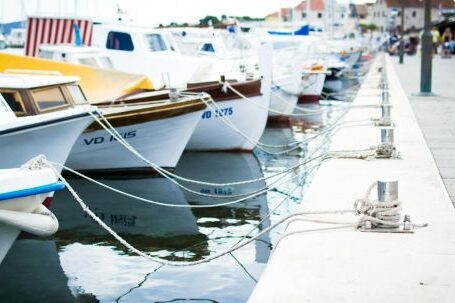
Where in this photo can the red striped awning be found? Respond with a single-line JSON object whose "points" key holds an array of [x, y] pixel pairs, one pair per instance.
{"points": [[55, 31]]}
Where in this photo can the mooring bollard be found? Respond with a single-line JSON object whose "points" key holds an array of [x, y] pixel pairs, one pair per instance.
{"points": [[386, 119], [387, 148], [387, 135], [387, 190], [385, 96]]}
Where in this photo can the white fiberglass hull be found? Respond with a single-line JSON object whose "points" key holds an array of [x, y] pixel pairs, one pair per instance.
{"points": [[313, 84], [159, 141], [353, 58], [53, 137], [8, 234], [248, 116], [282, 103], [15, 180]]}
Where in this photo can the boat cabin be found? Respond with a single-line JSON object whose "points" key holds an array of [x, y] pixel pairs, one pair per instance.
{"points": [[85, 55], [28, 95], [147, 51]]}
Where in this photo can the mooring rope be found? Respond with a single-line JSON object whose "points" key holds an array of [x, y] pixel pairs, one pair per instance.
{"points": [[246, 196], [147, 256]]}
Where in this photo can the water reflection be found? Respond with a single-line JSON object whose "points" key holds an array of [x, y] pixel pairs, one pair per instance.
{"points": [[221, 168], [149, 227], [90, 265]]}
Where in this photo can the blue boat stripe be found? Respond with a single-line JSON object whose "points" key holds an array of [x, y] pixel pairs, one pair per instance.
{"points": [[32, 191]]}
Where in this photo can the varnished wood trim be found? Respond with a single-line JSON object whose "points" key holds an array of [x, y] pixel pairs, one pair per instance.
{"points": [[142, 115]]}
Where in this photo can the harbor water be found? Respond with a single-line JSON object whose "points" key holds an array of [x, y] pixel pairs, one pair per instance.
{"points": [[83, 263]]}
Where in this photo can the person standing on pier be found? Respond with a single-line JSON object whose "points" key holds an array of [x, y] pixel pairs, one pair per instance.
{"points": [[436, 38], [447, 43]]}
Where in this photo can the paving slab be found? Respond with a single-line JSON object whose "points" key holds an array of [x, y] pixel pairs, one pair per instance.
{"points": [[436, 115]]}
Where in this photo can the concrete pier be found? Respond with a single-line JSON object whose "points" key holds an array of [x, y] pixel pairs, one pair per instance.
{"points": [[346, 265], [436, 115]]}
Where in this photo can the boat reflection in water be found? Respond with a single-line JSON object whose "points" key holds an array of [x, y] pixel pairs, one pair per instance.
{"points": [[96, 266], [31, 272], [225, 168]]}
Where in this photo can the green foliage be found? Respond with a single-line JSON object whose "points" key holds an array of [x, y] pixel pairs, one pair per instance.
{"points": [[206, 20], [372, 27]]}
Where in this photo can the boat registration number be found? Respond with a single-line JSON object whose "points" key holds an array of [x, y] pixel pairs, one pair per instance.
{"points": [[221, 191], [102, 139], [222, 112]]}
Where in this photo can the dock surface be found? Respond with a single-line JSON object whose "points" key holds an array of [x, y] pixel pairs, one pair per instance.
{"points": [[346, 265], [436, 115]]}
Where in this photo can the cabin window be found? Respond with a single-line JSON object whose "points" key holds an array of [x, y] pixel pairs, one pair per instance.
{"points": [[319, 15], [208, 47], [119, 41], [90, 61], [14, 101], [49, 98], [155, 42], [77, 94]]}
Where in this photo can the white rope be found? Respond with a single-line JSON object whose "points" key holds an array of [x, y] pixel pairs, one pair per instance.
{"points": [[112, 131], [250, 195], [308, 110], [228, 85], [213, 105], [377, 212], [133, 249]]}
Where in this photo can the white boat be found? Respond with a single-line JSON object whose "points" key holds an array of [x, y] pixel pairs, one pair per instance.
{"points": [[160, 135], [159, 129], [249, 117], [212, 133], [284, 95], [51, 133], [314, 83], [22, 192]]}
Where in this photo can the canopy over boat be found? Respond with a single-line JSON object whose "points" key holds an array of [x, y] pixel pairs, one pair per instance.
{"points": [[98, 84]]}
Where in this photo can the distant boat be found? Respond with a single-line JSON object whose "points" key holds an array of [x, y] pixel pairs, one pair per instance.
{"points": [[22, 192]]}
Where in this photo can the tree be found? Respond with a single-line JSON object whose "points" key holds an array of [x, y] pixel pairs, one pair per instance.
{"points": [[207, 19]]}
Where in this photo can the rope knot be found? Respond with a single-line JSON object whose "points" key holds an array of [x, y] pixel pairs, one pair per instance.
{"points": [[37, 163]]}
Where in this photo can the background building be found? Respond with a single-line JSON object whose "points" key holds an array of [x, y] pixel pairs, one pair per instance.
{"points": [[313, 12], [386, 14]]}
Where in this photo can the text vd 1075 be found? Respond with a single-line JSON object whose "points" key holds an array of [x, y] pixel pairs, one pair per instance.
{"points": [[222, 112]]}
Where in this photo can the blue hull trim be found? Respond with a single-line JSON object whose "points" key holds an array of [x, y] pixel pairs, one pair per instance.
{"points": [[32, 191]]}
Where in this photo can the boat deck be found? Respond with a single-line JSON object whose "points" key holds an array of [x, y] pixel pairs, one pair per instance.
{"points": [[346, 265]]}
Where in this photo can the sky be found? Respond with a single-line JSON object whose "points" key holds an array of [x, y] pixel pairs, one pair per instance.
{"points": [[150, 12], [165, 11]]}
